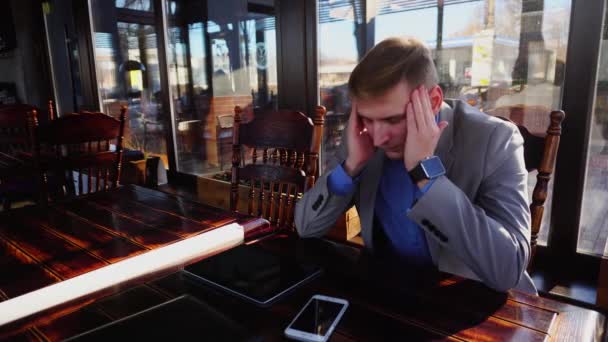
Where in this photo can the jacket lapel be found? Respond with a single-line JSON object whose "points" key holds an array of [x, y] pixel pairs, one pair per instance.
{"points": [[444, 146]]}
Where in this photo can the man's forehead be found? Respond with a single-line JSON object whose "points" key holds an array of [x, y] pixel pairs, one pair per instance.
{"points": [[382, 110]]}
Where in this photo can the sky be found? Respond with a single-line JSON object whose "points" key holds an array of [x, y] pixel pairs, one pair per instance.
{"points": [[336, 39]]}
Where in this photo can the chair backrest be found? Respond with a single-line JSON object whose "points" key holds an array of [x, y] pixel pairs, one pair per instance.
{"points": [[81, 152], [280, 161], [540, 154], [14, 137]]}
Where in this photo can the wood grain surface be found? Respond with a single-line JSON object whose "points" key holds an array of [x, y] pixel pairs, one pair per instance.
{"points": [[40, 248]]}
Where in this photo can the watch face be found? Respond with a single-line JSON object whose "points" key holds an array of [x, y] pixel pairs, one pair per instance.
{"points": [[433, 167]]}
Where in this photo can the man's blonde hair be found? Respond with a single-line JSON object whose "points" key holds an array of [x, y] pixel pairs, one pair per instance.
{"points": [[390, 62]]}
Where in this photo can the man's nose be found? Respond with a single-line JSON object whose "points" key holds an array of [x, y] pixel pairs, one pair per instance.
{"points": [[380, 135]]}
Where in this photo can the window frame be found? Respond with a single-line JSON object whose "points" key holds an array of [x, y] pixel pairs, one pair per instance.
{"points": [[578, 98]]}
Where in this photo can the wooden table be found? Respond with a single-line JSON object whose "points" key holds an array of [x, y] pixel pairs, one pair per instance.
{"points": [[40, 248]]}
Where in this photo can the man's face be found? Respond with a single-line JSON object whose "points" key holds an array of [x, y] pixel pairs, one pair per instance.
{"points": [[384, 119]]}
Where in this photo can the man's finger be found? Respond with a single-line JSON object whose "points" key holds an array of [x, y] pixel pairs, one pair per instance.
{"points": [[429, 116], [411, 121], [418, 110], [353, 119], [442, 126]]}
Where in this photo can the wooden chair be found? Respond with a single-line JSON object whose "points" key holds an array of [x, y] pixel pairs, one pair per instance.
{"points": [[14, 137], [22, 109], [76, 149], [284, 150], [15, 153], [540, 154]]}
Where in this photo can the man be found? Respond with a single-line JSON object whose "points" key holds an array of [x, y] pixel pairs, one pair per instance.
{"points": [[472, 220]]}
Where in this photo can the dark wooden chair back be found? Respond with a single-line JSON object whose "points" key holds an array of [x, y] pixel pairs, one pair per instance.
{"points": [[76, 149], [14, 136], [280, 162], [540, 154]]}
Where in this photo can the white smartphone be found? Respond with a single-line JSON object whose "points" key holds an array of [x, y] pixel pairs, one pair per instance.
{"points": [[317, 320]]}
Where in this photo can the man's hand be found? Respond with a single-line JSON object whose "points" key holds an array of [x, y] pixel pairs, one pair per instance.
{"points": [[423, 131], [360, 144]]}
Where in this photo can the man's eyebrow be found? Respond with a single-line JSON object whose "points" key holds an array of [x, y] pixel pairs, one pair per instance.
{"points": [[394, 116], [361, 115]]}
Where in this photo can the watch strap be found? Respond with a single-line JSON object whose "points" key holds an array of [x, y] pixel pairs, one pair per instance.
{"points": [[417, 174]]}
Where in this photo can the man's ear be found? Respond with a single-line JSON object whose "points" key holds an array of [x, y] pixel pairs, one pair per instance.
{"points": [[436, 95]]}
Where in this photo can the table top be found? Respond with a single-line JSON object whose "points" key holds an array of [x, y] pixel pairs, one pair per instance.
{"points": [[67, 239], [44, 247]]}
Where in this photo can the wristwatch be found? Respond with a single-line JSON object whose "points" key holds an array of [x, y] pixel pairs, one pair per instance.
{"points": [[428, 168]]}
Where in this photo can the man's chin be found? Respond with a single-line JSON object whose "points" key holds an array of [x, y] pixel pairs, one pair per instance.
{"points": [[394, 154]]}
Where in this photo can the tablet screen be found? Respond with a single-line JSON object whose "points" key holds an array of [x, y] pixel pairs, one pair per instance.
{"points": [[253, 273]]}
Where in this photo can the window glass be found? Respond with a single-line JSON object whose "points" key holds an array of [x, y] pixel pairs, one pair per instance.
{"points": [[220, 56], [340, 48], [139, 5], [390, 23], [126, 59], [505, 57], [593, 232]]}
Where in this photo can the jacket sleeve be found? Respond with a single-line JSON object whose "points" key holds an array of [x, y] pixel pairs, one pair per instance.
{"points": [[491, 235], [319, 209]]}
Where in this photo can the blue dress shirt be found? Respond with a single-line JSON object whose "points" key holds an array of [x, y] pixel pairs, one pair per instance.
{"points": [[395, 197]]}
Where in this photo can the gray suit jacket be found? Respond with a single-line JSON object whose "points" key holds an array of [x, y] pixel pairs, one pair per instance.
{"points": [[476, 218]]}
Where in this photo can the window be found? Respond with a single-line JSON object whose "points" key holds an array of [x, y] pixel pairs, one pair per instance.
{"points": [[593, 232], [340, 48], [220, 55], [506, 57], [139, 5], [126, 60]]}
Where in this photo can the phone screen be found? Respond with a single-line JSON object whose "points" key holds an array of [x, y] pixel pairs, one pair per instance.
{"points": [[317, 317]]}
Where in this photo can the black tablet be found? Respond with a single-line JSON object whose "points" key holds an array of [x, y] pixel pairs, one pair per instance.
{"points": [[181, 318], [252, 273]]}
